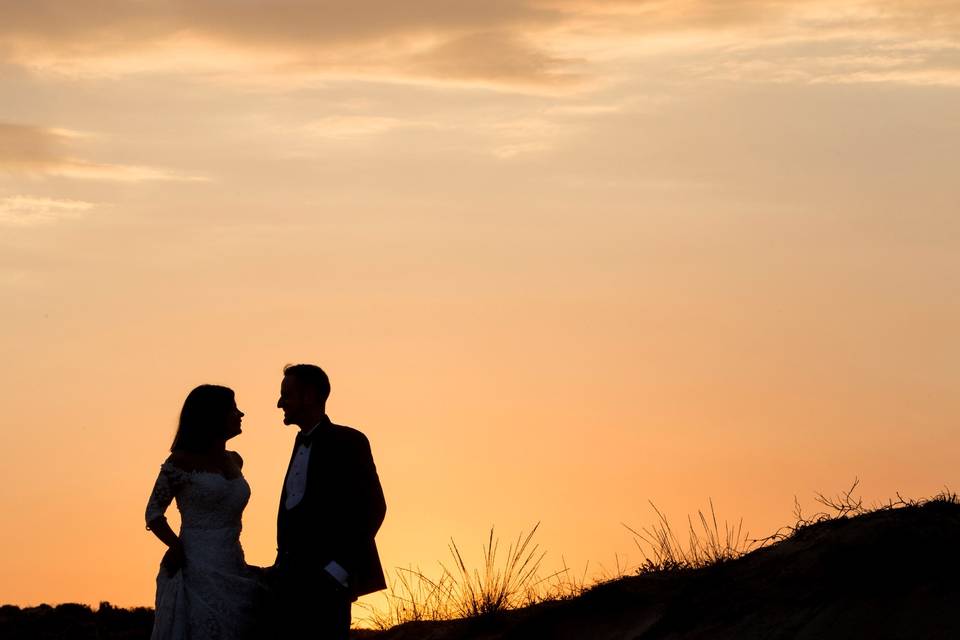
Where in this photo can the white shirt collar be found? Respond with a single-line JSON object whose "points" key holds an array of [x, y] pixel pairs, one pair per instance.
{"points": [[307, 432]]}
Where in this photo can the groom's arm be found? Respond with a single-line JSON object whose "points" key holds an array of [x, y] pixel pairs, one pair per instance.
{"points": [[370, 507], [362, 506]]}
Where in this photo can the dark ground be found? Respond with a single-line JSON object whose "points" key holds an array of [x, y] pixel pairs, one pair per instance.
{"points": [[887, 575]]}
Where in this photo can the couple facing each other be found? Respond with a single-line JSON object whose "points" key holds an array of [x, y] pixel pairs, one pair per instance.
{"points": [[331, 507]]}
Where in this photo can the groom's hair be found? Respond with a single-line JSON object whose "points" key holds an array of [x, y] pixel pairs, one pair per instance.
{"points": [[312, 376]]}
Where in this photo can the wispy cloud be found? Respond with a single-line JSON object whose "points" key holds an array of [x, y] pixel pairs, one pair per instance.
{"points": [[26, 147], [32, 150], [852, 62], [352, 127], [32, 211], [416, 38], [497, 56], [117, 172], [500, 43]]}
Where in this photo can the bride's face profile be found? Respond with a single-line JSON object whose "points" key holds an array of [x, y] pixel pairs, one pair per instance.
{"points": [[234, 418]]}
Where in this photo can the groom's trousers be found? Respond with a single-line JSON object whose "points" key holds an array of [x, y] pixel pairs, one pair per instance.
{"points": [[323, 619], [308, 607]]}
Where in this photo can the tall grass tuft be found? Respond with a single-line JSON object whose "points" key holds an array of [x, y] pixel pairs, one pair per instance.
{"points": [[462, 592], [706, 544], [412, 597], [477, 593]]}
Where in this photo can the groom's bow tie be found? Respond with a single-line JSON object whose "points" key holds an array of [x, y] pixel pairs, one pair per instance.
{"points": [[302, 439], [306, 438]]}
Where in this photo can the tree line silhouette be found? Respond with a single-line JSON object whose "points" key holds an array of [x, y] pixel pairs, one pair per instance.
{"points": [[72, 621]]}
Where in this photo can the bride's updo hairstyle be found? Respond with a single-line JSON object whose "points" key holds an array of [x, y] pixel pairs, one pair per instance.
{"points": [[203, 418]]}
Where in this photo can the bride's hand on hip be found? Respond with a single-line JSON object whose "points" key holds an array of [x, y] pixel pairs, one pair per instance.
{"points": [[174, 559]]}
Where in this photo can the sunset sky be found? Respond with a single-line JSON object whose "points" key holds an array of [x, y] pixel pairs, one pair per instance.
{"points": [[560, 259]]}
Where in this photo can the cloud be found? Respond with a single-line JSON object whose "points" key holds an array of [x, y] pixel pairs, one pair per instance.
{"points": [[850, 62], [651, 16], [507, 43], [347, 127], [811, 42], [495, 56], [32, 150], [27, 147], [31, 211], [114, 24], [371, 36]]}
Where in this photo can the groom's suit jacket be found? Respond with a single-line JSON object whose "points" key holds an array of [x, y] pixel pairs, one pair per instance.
{"points": [[339, 515]]}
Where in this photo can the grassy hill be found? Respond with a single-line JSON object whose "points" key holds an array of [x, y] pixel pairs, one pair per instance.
{"points": [[889, 574], [883, 575]]}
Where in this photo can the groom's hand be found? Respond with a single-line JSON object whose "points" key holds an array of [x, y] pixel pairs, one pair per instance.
{"points": [[270, 576]]}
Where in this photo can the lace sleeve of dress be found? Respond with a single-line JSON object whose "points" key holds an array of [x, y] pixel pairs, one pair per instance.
{"points": [[165, 488]]}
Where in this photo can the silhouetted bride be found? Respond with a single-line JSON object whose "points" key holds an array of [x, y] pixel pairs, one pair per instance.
{"points": [[205, 589]]}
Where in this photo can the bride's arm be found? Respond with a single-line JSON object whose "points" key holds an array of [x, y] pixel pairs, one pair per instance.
{"points": [[174, 558], [160, 498]]}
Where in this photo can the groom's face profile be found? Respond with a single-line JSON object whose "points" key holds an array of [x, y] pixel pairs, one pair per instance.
{"points": [[291, 400]]}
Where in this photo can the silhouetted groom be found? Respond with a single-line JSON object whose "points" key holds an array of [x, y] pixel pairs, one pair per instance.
{"points": [[331, 507]]}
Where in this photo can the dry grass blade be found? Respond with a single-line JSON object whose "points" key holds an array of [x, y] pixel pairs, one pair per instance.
{"points": [[476, 594], [411, 597], [663, 551], [462, 592]]}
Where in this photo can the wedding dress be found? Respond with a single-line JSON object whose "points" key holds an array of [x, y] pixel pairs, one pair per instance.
{"points": [[214, 596]]}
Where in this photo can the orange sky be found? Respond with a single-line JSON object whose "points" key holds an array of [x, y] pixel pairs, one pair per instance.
{"points": [[559, 258]]}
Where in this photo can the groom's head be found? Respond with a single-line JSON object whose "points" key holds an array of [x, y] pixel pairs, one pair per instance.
{"points": [[303, 394]]}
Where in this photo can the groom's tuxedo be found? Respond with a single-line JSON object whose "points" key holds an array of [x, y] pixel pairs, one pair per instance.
{"points": [[340, 509]]}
